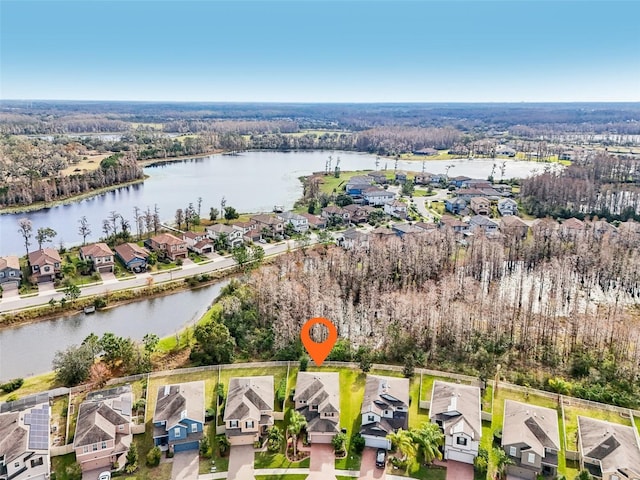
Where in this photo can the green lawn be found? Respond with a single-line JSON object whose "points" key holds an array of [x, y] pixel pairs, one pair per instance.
{"points": [[32, 385], [571, 413], [424, 473], [60, 464], [278, 460], [281, 477]]}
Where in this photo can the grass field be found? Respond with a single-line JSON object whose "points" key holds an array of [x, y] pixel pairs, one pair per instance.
{"points": [[571, 413]]}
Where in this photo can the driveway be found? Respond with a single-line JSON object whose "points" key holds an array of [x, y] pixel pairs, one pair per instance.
{"points": [[323, 463], [368, 468], [459, 470], [10, 293], [108, 277], [241, 459], [185, 465], [94, 474], [45, 287]]}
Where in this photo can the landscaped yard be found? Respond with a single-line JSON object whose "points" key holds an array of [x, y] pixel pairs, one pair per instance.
{"points": [[571, 413], [278, 460], [281, 477]]}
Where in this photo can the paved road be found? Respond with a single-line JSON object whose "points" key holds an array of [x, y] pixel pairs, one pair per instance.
{"points": [[141, 280]]}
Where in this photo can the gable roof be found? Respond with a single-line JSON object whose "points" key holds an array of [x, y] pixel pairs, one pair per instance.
{"points": [[615, 446], [266, 218], [406, 228], [96, 250], [13, 436], [574, 224], [356, 235], [221, 228], [175, 402], [380, 393], [129, 251], [536, 427], [289, 216], [44, 256], [377, 192], [248, 396], [483, 221], [321, 388], [100, 415], [168, 239], [457, 407], [10, 261], [512, 221], [507, 201]]}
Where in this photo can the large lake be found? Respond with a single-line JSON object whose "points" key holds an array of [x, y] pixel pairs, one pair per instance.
{"points": [[29, 350], [250, 182]]}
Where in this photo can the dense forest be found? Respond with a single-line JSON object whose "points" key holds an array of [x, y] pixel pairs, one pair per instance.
{"points": [[606, 186], [554, 304]]}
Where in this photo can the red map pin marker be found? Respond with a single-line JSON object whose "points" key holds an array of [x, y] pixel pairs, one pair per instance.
{"points": [[319, 351]]}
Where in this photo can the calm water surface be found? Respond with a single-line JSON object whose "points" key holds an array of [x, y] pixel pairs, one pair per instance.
{"points": [[29, 349], [250, 182]]}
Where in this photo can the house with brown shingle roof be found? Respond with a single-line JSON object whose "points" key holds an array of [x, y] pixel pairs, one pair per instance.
{"points": [[249, 410], [385, 409], [513, 226], [317, 397], [168, 245], [608, 450], [103, 429], [531, 439], [10, 273], [133, 256], [178, 418], [45, 264], [100, 256], [456, 410]]}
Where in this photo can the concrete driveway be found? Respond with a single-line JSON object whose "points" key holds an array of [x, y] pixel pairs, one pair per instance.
{"points": [[45, 287], [459, 470], [10, 293], [108, 277], [368, 468], [323, 463], [185, 465], [94, 474], [241, 458]]}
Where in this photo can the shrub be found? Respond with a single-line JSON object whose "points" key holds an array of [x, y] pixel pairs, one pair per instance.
{"points": [[357, 443], [153, 457], [12, 385], [304, 362], [338, 442], [204, 447], [281, 392]]}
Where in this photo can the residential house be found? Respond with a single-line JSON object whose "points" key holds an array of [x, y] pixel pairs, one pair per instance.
{"points": [[456, 410], [513, 226], [385, 409], [572, 228], [299, 223], [45, 264], [507, 206], [468, 193], [198, 242], [396, 208], [459, 180], [250, 231], [24, 441], [491, 193], [504, 150], [382, 232], [233, 236], [609, 451], [427, 152], [482, 223], [178, 419], [168, 246], [475, 184], [10, 273], [100, 256], [602, 228], [315, 222], [401, 177], [402, 229], [377, 197], [480, 206], [317, 397], [133, 256], [249, 410], [353, 239], [427, 227], [531, 439], [103, 429], [455, 205], [459, 149], [379, 177], [334, 214], [544, 228], [458, 226], [357, 184], [269, 225], [439, 178], [423, 178], [359, 213]]}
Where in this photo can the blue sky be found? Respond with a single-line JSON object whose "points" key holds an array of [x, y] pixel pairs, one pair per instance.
{"points": [[321, 51]]}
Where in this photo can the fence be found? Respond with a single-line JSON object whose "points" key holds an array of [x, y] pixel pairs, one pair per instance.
{"points": [[61, 450]]}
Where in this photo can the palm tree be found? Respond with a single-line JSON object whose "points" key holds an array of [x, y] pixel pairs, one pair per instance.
{"points": [[403, 442], [428, 438], [274, 439], [501, 460], [296, 423]]}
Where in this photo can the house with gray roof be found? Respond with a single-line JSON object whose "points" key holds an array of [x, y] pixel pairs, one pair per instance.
{"points": [[609, 451], [385, 409], [317, 397], [298, 222], [178, 418], [24, 443], [479, 223], [103, 430], [507, 206], [353, 239], [377, 197], [531, 439], [456, 409], [10, 273], [249, 410]]}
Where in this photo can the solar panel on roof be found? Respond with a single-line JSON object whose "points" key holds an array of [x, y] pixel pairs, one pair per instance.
{"points": [[38, 421]]}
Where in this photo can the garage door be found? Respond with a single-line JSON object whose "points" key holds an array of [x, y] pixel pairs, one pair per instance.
{"points": [[376, 442], [460, 456], [181, 447], [10, 285], [320, 438]]}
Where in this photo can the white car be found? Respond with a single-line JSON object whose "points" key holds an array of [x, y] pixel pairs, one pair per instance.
{"points": [[105, 476]]}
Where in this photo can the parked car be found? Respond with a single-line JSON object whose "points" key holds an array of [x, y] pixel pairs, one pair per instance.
{"points": [[381, 457]]}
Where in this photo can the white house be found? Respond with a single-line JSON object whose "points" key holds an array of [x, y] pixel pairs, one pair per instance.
{"points": [[377, 197], [456, 409], [300, 224], [507, 206], [385, 409], [396, 208], [233, 234]]}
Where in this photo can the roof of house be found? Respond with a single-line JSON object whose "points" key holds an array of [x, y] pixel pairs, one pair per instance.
{"points": [[129, 251], [266, 218], [314, 219], [359, 180], [475, 200], [203, 243], [10, 261], [469, 191], [507, 201], [44, 256], [382, 231], [461, 178], [96, 250], [288, 216], [458, 407], [322, 389], [406, 228], [25, 430], [248, 396], [377, 174], [428, 227], [574, 224], [483, 221], [512, 221], [100, 415], [536, 427], [456, 201], [355, 208], [13, 436], [602, 226], [191, 235], [168, 239], [221, 228], [397, 204], [333, 210], [452, 222], [176, 402], [377, 192], [614, 445], [380, 393], [353, 234]]}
